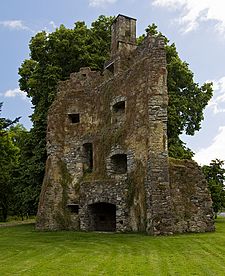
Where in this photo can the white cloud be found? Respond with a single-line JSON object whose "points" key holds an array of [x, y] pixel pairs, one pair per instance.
{"points": [[215, 150], [15, 25], [193, 12], [52, 23], [12, 93], [48, 29], [100, 3], [217, 103]]}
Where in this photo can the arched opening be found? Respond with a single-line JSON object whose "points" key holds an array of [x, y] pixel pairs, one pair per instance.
{"points": [[119, 163], [102, 217], [119, 107], [118, 112]]}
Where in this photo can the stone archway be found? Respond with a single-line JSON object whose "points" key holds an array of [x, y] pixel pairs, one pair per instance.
{"points": [[102, 217]]}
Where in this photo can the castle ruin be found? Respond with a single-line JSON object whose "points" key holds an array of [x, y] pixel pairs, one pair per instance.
{"points": [[108, 167]]}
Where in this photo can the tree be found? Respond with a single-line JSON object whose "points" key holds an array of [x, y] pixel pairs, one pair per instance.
{"points": [[24, 194], [215, 175], [5, 123], [8, 160], [17, 196]]}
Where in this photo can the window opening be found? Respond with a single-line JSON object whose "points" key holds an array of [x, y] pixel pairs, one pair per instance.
{"points": [[88, 157], [74, 118], [119, 163], [119, 107], [74, 208]]}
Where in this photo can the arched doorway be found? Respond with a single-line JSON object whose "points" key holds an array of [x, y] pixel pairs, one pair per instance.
{"points": [[102, 216]]}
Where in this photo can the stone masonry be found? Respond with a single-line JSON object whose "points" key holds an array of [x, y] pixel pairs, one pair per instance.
{"points": [[108, 167]]}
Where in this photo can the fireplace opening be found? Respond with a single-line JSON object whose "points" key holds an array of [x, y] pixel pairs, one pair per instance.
{"points": [[102, 217]]}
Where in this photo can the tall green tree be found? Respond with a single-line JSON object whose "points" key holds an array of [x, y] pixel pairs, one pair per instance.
{"points": [[215, 175], [8, 161], [24, 192], [18, 193]]}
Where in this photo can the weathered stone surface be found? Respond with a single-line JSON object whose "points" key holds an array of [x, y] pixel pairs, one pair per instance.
{"points": [[107, 166], [190, 196]]}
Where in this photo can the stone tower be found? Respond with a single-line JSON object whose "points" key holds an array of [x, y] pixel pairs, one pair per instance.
{"points": [[123, 34], [108, 167]]}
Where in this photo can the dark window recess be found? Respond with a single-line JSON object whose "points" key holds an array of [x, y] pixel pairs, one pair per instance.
{"points": [[74, 208], [74, 118], [119, 163], [119, 107], [88, 157]]}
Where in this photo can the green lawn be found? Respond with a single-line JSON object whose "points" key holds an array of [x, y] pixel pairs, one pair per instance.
{"points": [[23, 251]]}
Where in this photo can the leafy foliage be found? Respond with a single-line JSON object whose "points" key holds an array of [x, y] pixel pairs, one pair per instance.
{"points": [[187, 101], [5, 123], [215, 175], [8, 161], [25, 191]]}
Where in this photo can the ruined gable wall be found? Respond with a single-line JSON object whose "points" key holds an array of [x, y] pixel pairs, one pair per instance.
{"points": [[92, 96]]}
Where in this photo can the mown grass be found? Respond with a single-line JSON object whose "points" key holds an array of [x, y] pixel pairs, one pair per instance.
{"points": [[25, 251]]}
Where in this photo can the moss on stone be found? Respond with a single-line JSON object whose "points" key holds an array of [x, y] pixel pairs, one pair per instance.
{"points": [[179, 162], [62, 216], [136, 190]]}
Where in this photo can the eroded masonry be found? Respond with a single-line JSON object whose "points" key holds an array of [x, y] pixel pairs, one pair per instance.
{"points": [[108, 167]]}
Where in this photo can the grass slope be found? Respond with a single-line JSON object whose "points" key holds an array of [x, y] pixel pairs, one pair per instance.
{"points": [[25, 251]]}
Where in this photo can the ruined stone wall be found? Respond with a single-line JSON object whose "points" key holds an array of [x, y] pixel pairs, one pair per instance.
{"points": [[138, 131], [64, 148], [107, 143], [191, 198]]}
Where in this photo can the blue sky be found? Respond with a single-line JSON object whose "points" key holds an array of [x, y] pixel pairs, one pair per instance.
{"points": [[196, 27]]}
